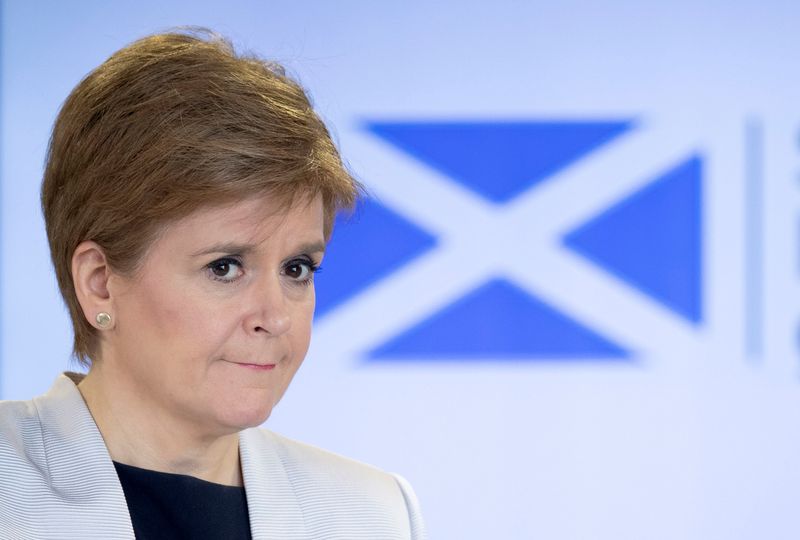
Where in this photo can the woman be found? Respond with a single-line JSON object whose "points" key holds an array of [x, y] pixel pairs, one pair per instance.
{"points": [[188, 197]]}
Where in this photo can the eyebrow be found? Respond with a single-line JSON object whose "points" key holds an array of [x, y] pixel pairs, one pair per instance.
{"points": [[244, 249]]}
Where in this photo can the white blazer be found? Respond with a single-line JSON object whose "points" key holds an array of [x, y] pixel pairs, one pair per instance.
{"points": [[57, 481]]}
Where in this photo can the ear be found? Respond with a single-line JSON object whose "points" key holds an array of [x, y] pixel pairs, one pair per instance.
{"points": [[90, 274]]}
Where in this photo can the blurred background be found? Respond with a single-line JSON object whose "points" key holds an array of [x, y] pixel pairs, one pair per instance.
{"points": [[569, 309]]}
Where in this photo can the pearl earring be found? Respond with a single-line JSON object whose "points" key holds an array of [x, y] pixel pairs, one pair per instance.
{"points": [[103, 319]]}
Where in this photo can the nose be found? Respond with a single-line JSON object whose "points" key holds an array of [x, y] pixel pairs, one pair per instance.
{"points": [[269, 313]]}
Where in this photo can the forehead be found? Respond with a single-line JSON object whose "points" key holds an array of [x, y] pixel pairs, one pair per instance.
{"points": [[254, 221]]}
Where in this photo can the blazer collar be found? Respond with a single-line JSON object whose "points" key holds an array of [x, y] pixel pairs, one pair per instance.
{"points": [[79, 467], [275, 513]]}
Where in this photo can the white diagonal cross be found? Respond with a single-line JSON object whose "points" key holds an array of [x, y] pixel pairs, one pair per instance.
{"points": [[520, 241]]}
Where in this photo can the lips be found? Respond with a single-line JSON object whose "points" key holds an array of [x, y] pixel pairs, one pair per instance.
{"points": [[259, 367], [256, 367]]}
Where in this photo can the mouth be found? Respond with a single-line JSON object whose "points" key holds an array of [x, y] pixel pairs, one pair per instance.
{"points": [[254, 367]]}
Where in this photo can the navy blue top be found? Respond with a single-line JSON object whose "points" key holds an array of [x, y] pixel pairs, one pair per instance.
{"points": [[169, 506]]}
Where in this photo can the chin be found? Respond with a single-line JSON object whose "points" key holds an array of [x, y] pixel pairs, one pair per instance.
{"points": [[243, 416]]}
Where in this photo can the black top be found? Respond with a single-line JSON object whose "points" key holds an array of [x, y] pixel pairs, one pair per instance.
{"points": [[165, 505]]}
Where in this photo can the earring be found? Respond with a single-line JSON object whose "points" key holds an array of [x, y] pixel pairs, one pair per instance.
{"points": [[103, 319]]}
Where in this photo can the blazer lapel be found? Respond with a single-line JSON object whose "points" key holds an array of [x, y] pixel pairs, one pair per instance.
{"points": [[78, 465], [275, 513]]}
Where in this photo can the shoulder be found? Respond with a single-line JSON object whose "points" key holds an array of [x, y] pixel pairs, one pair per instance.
{"points": [[314, 460], [28, 428], [338, 490], [307, 463], [24, 477], [20, 433], [15, 413]]}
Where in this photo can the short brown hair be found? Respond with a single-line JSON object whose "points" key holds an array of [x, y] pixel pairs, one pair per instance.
{"points": [[167, 125]]}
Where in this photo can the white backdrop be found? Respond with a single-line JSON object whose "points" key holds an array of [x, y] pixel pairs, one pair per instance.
{"points": [[485, 398]]}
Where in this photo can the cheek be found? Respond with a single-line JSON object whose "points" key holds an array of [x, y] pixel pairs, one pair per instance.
{"points": [[179, 324], [301, 326]]}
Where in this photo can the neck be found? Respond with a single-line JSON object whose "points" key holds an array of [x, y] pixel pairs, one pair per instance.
{"points": [[138, 432]]}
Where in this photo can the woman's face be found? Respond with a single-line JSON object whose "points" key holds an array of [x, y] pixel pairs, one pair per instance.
{"points": [[217, 321]]}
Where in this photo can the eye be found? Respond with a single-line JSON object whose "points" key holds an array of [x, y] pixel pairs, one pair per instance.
{"points": [[226, 269], [300, 270]]}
